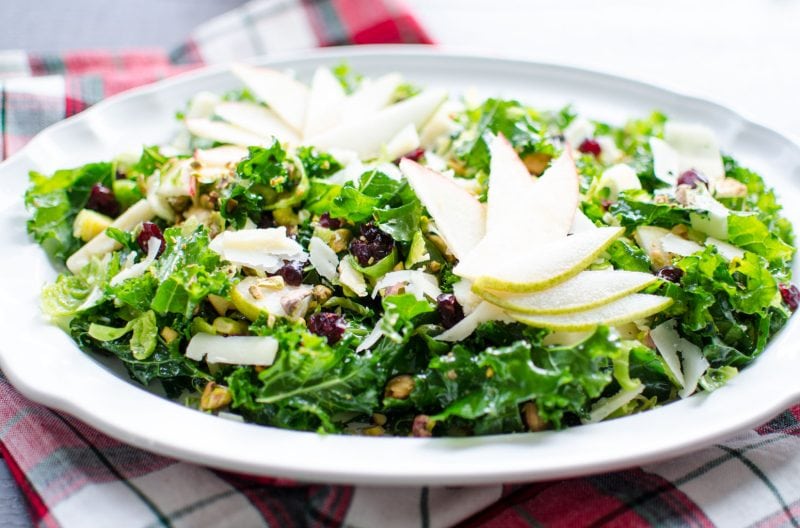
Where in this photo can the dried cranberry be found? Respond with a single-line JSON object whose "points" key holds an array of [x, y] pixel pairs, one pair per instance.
{"points": [[119, 175], [605, 204], [326, 221], [150, 230], [102, 200], [266, 221], [692, 178], [670, 273], [791, 295], [421, 427], [415, 155], [328, 325], [449, 310], [372, 246], [292, 273], [591, 146]]}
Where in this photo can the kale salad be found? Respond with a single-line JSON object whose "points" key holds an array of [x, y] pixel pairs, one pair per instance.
{"points": [[369, 256]]}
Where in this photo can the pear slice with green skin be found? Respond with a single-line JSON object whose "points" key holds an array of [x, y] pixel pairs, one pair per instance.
{"points": [[225, 133], [459, 216], [325, 101], [269, 302], [624, 310], [535, 267], [585, 290], [256, 119]]}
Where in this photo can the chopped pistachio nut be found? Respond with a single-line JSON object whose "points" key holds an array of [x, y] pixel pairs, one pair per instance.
{"points": [[169, 335], [530, 415], [399, 387], [214, 397]]}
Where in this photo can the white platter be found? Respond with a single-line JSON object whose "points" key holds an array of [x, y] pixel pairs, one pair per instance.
{"points": [[45, 365]]}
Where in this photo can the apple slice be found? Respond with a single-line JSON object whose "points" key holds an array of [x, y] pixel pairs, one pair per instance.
{"points": [[587, 289], [256, 119], [459, 216], [324, 103], [626, 309], [285, 95], [520, 206], [370, 97], [225, 133], [526, 268], [366, 136]]}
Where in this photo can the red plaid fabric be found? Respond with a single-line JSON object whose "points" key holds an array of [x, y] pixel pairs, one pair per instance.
{"points": [[74, 476]]}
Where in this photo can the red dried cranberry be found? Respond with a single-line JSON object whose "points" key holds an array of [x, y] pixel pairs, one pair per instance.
{"points": [[449, 310], [372, 246], [421, 427], [102, 200], [150, 230], [590, 146], [790, 295], [266, 221], [328, 325], [692, 178], [292, 273], [415, 155], [605, 204], [670, 273], [326, 221]]}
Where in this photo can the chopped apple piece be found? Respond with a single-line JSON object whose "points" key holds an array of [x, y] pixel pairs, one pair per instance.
{"points": [[324, 103], [369, 134], [256, 119], [283, 94], [528, 268], [88, 224], [630, 308], [225, 133], [587, 289], [459, 216]]}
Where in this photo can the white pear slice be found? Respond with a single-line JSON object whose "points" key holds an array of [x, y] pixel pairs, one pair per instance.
{"points": [[459, 216], [324, 103], [666, 161], [254, 296], [520, 206], [727, 251], [585, 290], [630, 308], [369, 134], [402, 143], [225, 133], [285, 95], [581, 223], [528, 268], [370, 97], [463, 329], [220, 157], [672, 243], [256, 119]]}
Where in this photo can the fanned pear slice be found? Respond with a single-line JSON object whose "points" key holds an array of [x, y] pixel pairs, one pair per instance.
{"points": [[459, 216], [585, 290], [533, 267], [371, 97], [521, 207], [368, 135], [624, 310], [226, 133], [256, 119], [285, 95], [325, 101]]}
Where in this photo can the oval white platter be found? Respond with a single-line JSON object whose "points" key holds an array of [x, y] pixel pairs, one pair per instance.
{"points": [[46, 366]]}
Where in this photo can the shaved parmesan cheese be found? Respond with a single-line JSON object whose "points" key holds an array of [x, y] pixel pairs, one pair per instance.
{"points": [[697, 148], [352, 278], [233, 350], [606, 406], [692, 364], [323, 258], [463, 329], [672, 243], [465, 296], [260, 249], [666, 162], [577, 131], [417, 282], [619, 178], [373, 337], [137, 270], [609, 153]]}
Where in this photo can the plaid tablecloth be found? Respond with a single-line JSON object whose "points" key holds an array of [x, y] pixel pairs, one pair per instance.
{"points": [[74, 476]]}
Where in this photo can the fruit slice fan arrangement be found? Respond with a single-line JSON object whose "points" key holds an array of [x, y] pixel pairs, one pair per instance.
{"points": [[371, 257]]}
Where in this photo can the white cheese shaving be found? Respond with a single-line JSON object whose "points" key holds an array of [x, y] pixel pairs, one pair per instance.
{"points": [[417, 282], [323, 258], [465, 296], [672, 243], [606, 406], [726, 251], [692, 363], [137, 270], [578, 130], [260, 249], [233, 350], [352, 278], [373, 337], [463, 329]]}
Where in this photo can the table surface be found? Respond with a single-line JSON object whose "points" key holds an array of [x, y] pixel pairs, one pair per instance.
{"points": [[737, 52]]}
